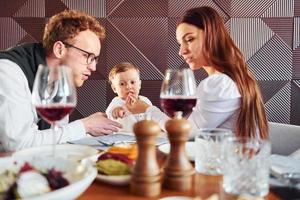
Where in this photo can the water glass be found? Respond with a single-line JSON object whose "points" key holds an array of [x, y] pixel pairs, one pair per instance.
{"points": [[246, 164], [208, 159]]}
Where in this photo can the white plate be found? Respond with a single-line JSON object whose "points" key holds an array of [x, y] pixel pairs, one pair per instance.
{"points": [[67, 151], [112, 180], [80, 176], [189, 148]]}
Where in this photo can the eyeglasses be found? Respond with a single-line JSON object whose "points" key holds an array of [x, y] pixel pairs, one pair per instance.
{"points": [[90, 56]]}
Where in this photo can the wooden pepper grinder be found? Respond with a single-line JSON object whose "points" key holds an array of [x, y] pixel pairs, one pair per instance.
{"points": [[178, 170], [146, 177]]}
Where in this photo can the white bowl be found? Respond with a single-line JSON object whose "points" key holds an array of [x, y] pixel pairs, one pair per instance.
{"points": [[80, 176]]}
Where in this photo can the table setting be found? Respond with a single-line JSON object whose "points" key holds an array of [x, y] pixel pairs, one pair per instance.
{"points": [[147, 163]]}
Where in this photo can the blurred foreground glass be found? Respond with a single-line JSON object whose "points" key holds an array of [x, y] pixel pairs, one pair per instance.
{"points": [[178, 92], [54, 95], [246, 163], [208, 159]]}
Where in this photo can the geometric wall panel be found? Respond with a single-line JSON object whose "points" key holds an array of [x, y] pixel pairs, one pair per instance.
{"points": [[149, 91], [35, 29], [54, 6], [91, 98], [140, 9], [32, 8], [249, 8], [10, 32], [27, 38], [112, 5], [280, 8], [295, 107], [133, 28], [297, 8], [296, 32], [174, 59], [9, 8], [283, 27], [296, 63], [100, 73], [96, 8], [270, 88], [224, 5], [279, 106], [120, 49], [178, 7], [268, 62], [249, 34]]}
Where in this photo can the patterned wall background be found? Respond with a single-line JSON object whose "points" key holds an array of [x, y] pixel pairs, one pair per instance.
{"points": [[143, 32]]}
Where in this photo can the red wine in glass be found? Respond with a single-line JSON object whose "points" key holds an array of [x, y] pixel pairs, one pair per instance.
{"points": [[174, 104], [54, 112], [54, 95]]}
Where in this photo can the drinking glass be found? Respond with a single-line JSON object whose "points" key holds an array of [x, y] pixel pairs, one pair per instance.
{"points": [[208, 159], [54, 95], [178, 92], [246, 163]]}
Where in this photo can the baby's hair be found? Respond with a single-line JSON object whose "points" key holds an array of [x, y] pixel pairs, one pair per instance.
{"points": [[121, 67]]}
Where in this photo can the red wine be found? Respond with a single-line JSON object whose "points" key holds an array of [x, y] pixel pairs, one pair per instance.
{"points": [[171, 105], [54, 113]]}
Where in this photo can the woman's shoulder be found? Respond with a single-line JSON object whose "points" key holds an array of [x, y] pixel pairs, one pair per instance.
{"points": [[218, 86]]}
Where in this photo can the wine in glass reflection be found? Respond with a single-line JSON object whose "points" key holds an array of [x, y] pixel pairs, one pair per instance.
{"points": [[54, 95], [178, 92]]}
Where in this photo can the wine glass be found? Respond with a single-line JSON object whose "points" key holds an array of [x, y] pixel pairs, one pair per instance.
{"points": [[178, 92], [54, 95]]}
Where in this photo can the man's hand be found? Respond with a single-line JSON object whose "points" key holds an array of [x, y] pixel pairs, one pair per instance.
{"points": [[119, 112], [135, 105], [98, 124]]}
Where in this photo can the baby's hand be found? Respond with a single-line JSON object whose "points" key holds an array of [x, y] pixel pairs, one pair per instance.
{"points": [[119, 112], [135, 105], [130, 100]]}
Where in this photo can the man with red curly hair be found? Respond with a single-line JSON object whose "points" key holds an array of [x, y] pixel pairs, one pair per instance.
{"points": [[71, 38]]}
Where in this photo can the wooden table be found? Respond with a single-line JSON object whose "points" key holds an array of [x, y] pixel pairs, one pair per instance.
{"points": [[203, 186]]}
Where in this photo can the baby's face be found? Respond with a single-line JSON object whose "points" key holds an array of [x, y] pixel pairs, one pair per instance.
{"points": [[125, 83]]}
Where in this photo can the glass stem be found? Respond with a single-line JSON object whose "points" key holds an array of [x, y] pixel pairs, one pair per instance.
{"points": [[55, 131]]}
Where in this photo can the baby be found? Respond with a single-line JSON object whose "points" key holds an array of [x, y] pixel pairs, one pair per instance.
{"points": [[126, 83]]}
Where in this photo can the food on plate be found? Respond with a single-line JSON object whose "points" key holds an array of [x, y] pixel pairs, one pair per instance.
{"points": [[130, 150], [28, 181], [113, 167], [118, 160]]}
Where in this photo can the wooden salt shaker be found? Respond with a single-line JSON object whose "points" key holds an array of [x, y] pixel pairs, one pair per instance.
{"points": [[178, 170], [146, 177]]}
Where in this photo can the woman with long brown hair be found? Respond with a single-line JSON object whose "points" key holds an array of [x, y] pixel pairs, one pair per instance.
{"points": [[229, 97]]}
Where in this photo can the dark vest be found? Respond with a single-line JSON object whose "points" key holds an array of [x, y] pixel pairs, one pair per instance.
{"points": [[28, 56]]}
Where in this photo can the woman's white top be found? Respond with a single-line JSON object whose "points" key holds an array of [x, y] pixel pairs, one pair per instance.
{"points": [[129, 120], [218, 104]]}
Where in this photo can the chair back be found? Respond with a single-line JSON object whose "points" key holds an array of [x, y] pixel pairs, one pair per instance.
{"points": [[285, 138]]}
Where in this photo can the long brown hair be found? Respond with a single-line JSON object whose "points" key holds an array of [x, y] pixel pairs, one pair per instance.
{"points": [[222, 53]]}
